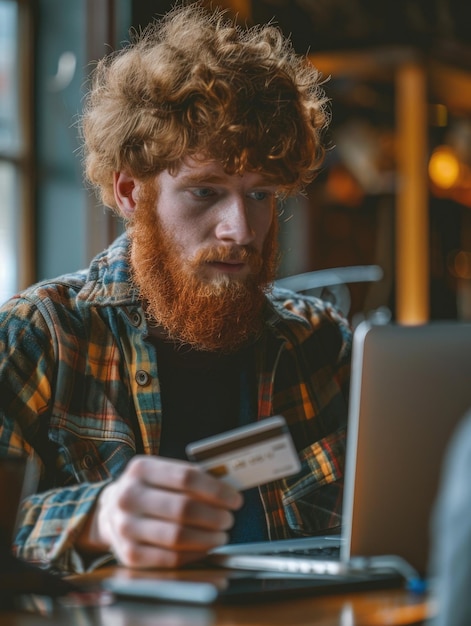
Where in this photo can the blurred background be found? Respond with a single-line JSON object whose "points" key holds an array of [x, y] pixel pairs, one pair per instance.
{"points": [[386, 227]]}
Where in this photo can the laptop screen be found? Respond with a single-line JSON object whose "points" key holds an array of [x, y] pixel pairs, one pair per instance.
{"points": [[409, 389]]}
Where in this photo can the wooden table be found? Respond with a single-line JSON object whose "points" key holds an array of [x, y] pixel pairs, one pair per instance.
{"points": [[392, 607]]}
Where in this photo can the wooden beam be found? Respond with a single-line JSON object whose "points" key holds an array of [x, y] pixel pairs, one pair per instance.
{"points": [[376, 63], [412, 211], [27, 215]]}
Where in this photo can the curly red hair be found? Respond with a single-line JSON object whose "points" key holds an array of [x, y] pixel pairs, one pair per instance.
{"points": [[194, 83]]}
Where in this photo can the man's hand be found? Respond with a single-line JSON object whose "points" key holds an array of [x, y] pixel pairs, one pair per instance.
{"points": [[160, 513]]}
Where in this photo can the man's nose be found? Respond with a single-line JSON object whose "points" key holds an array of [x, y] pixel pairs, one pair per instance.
{"points": [[234, 223]]}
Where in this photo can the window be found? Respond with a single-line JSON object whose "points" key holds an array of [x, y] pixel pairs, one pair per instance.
{"points": [[15, 148]]}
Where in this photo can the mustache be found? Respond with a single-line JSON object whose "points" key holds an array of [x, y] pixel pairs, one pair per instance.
{"points": [[226, 254]]}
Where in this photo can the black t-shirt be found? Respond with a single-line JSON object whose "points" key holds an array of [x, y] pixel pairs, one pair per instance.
{"points": [[200, 394], [204, 394]]}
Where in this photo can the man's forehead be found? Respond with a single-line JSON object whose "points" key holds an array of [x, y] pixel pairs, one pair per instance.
{"points": [[210, 170]]}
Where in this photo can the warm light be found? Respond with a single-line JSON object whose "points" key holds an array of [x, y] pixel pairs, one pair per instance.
{"points": [[342, 187], [438, 115], [444, 167]]}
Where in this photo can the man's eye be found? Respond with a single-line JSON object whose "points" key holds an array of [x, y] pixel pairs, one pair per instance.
{"points": [[203, 192], [259, 195]]}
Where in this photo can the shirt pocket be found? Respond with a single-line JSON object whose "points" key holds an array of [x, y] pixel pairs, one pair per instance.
{"points": [[312, 499], [86, 451]]}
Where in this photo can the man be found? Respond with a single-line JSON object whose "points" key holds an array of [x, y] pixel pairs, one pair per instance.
{"points": [[193, 133]]}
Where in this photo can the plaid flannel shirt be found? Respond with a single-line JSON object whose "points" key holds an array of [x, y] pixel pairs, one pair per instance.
{"points": [[79, 393]]}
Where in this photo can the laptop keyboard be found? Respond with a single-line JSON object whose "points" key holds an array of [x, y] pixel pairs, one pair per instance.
{"points": [[324, 552]]}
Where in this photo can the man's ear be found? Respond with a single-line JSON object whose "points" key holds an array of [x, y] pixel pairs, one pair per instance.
{"points": [[126, 189]]}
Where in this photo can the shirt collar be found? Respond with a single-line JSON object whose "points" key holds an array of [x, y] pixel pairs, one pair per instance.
{"points": [[108, 278]]}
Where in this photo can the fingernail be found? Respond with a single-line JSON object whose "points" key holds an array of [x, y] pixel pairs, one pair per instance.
{"points": [[233, 498]]}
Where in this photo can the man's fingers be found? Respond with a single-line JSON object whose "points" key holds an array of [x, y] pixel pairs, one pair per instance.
{"points": [[165, 513], [168, 535], [145, 502], [157, 543], [147, 556], [183, 476]]}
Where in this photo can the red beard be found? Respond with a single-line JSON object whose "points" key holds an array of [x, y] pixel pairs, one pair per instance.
{"points": [[219, 315]]}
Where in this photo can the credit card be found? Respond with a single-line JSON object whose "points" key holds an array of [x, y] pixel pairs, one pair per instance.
{"points": [[250, 455]]}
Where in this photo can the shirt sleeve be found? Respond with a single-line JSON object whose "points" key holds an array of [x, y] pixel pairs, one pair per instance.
{"points": [[330, 328], [49, 524], [313, 376], [49, 520]]}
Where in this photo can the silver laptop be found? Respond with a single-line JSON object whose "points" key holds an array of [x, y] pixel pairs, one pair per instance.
{"points": [[410, 387]]}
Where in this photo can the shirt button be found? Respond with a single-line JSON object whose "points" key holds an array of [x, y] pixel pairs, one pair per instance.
{"points": [[142, 378], [87, 461], [136, 318]]}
